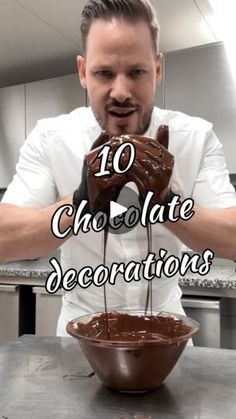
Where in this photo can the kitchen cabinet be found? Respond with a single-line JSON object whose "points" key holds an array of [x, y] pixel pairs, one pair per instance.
{"points": [[9, 312], [228, 322], [47, 311], [206, 311], [17, 315]]}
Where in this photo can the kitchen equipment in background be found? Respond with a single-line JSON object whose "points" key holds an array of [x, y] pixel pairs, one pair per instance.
{"points": [[16, 311], [206, 311], [228, 323], [48, 307], [9, 312]]}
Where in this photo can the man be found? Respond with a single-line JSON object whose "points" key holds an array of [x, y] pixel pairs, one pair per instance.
{"points": [[120, 69]]}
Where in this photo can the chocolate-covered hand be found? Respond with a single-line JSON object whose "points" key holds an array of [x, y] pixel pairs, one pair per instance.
{"points": [[105, 188], [151, 170], [153, 166], [82, 192], [162, 136]]}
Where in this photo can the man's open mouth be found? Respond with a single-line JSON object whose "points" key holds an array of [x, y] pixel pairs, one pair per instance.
{"points": [[122, 114]]}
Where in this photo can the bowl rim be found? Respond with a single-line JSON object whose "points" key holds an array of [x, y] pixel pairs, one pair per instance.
{"points": [[137, 343]]}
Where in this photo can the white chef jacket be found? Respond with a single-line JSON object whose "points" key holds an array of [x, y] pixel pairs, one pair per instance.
{"points": [[49, 169]]}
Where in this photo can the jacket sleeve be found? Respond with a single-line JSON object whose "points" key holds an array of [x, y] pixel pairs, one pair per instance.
{"points": [[212, 188], [33, 184]]}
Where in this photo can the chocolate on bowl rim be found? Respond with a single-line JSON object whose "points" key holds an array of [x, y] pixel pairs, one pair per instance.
{"points": [[192, 324]]}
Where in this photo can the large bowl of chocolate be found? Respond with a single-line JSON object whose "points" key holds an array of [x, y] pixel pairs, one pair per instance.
{"points": [[130, 351]]}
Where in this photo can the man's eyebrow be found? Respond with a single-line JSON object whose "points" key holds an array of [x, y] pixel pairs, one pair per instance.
{"points": [[101, 67], [137, 65], [109, 65]]}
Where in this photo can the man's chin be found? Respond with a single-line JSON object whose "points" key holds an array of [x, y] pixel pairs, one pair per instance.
{"points": [[135, 125], [125, 129]]}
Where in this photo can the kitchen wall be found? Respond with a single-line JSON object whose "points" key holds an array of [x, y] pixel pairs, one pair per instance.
{"points": [[12, 129], [196, 81], [22, 105]]}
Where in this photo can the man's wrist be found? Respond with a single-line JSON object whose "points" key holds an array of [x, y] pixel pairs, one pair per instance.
{"points": [[76, 200], [170, 195]]}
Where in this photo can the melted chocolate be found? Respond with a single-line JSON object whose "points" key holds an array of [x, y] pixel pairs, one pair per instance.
{"points": [[162, 136], [141, 351], [131, 352], [149, 290], [105, 236], [126, 328], [151, 169]]}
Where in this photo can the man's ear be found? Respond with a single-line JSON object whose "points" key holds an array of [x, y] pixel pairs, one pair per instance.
{"points": [[159, 60], [81, 67]]}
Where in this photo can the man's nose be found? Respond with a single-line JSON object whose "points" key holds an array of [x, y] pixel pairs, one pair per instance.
{"points": [[121, 88]]}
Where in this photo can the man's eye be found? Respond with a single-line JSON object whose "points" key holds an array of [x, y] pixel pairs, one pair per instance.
{"points": [[136, 73], [105, 74]]}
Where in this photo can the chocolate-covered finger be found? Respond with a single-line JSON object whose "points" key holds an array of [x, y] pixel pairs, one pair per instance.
{"points": [[139, 177], [151, 165], [162, 136], [103, 138]]}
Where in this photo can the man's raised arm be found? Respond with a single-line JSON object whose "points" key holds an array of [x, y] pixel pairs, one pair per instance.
{"points": [[213, 229], [25, 233]]}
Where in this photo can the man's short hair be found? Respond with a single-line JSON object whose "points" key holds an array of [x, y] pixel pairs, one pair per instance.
{"points": [[130, 10]]}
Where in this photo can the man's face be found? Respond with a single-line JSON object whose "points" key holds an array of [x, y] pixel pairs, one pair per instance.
{"points": [[120, 73]]}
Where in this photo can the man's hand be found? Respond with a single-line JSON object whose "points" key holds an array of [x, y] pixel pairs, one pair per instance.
{"points": [[106, 188], [153, 166], [151, 170], [82, 192]]}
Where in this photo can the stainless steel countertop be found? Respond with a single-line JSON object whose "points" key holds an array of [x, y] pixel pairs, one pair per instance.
{"points": [[36, 268], [43, 378]]}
